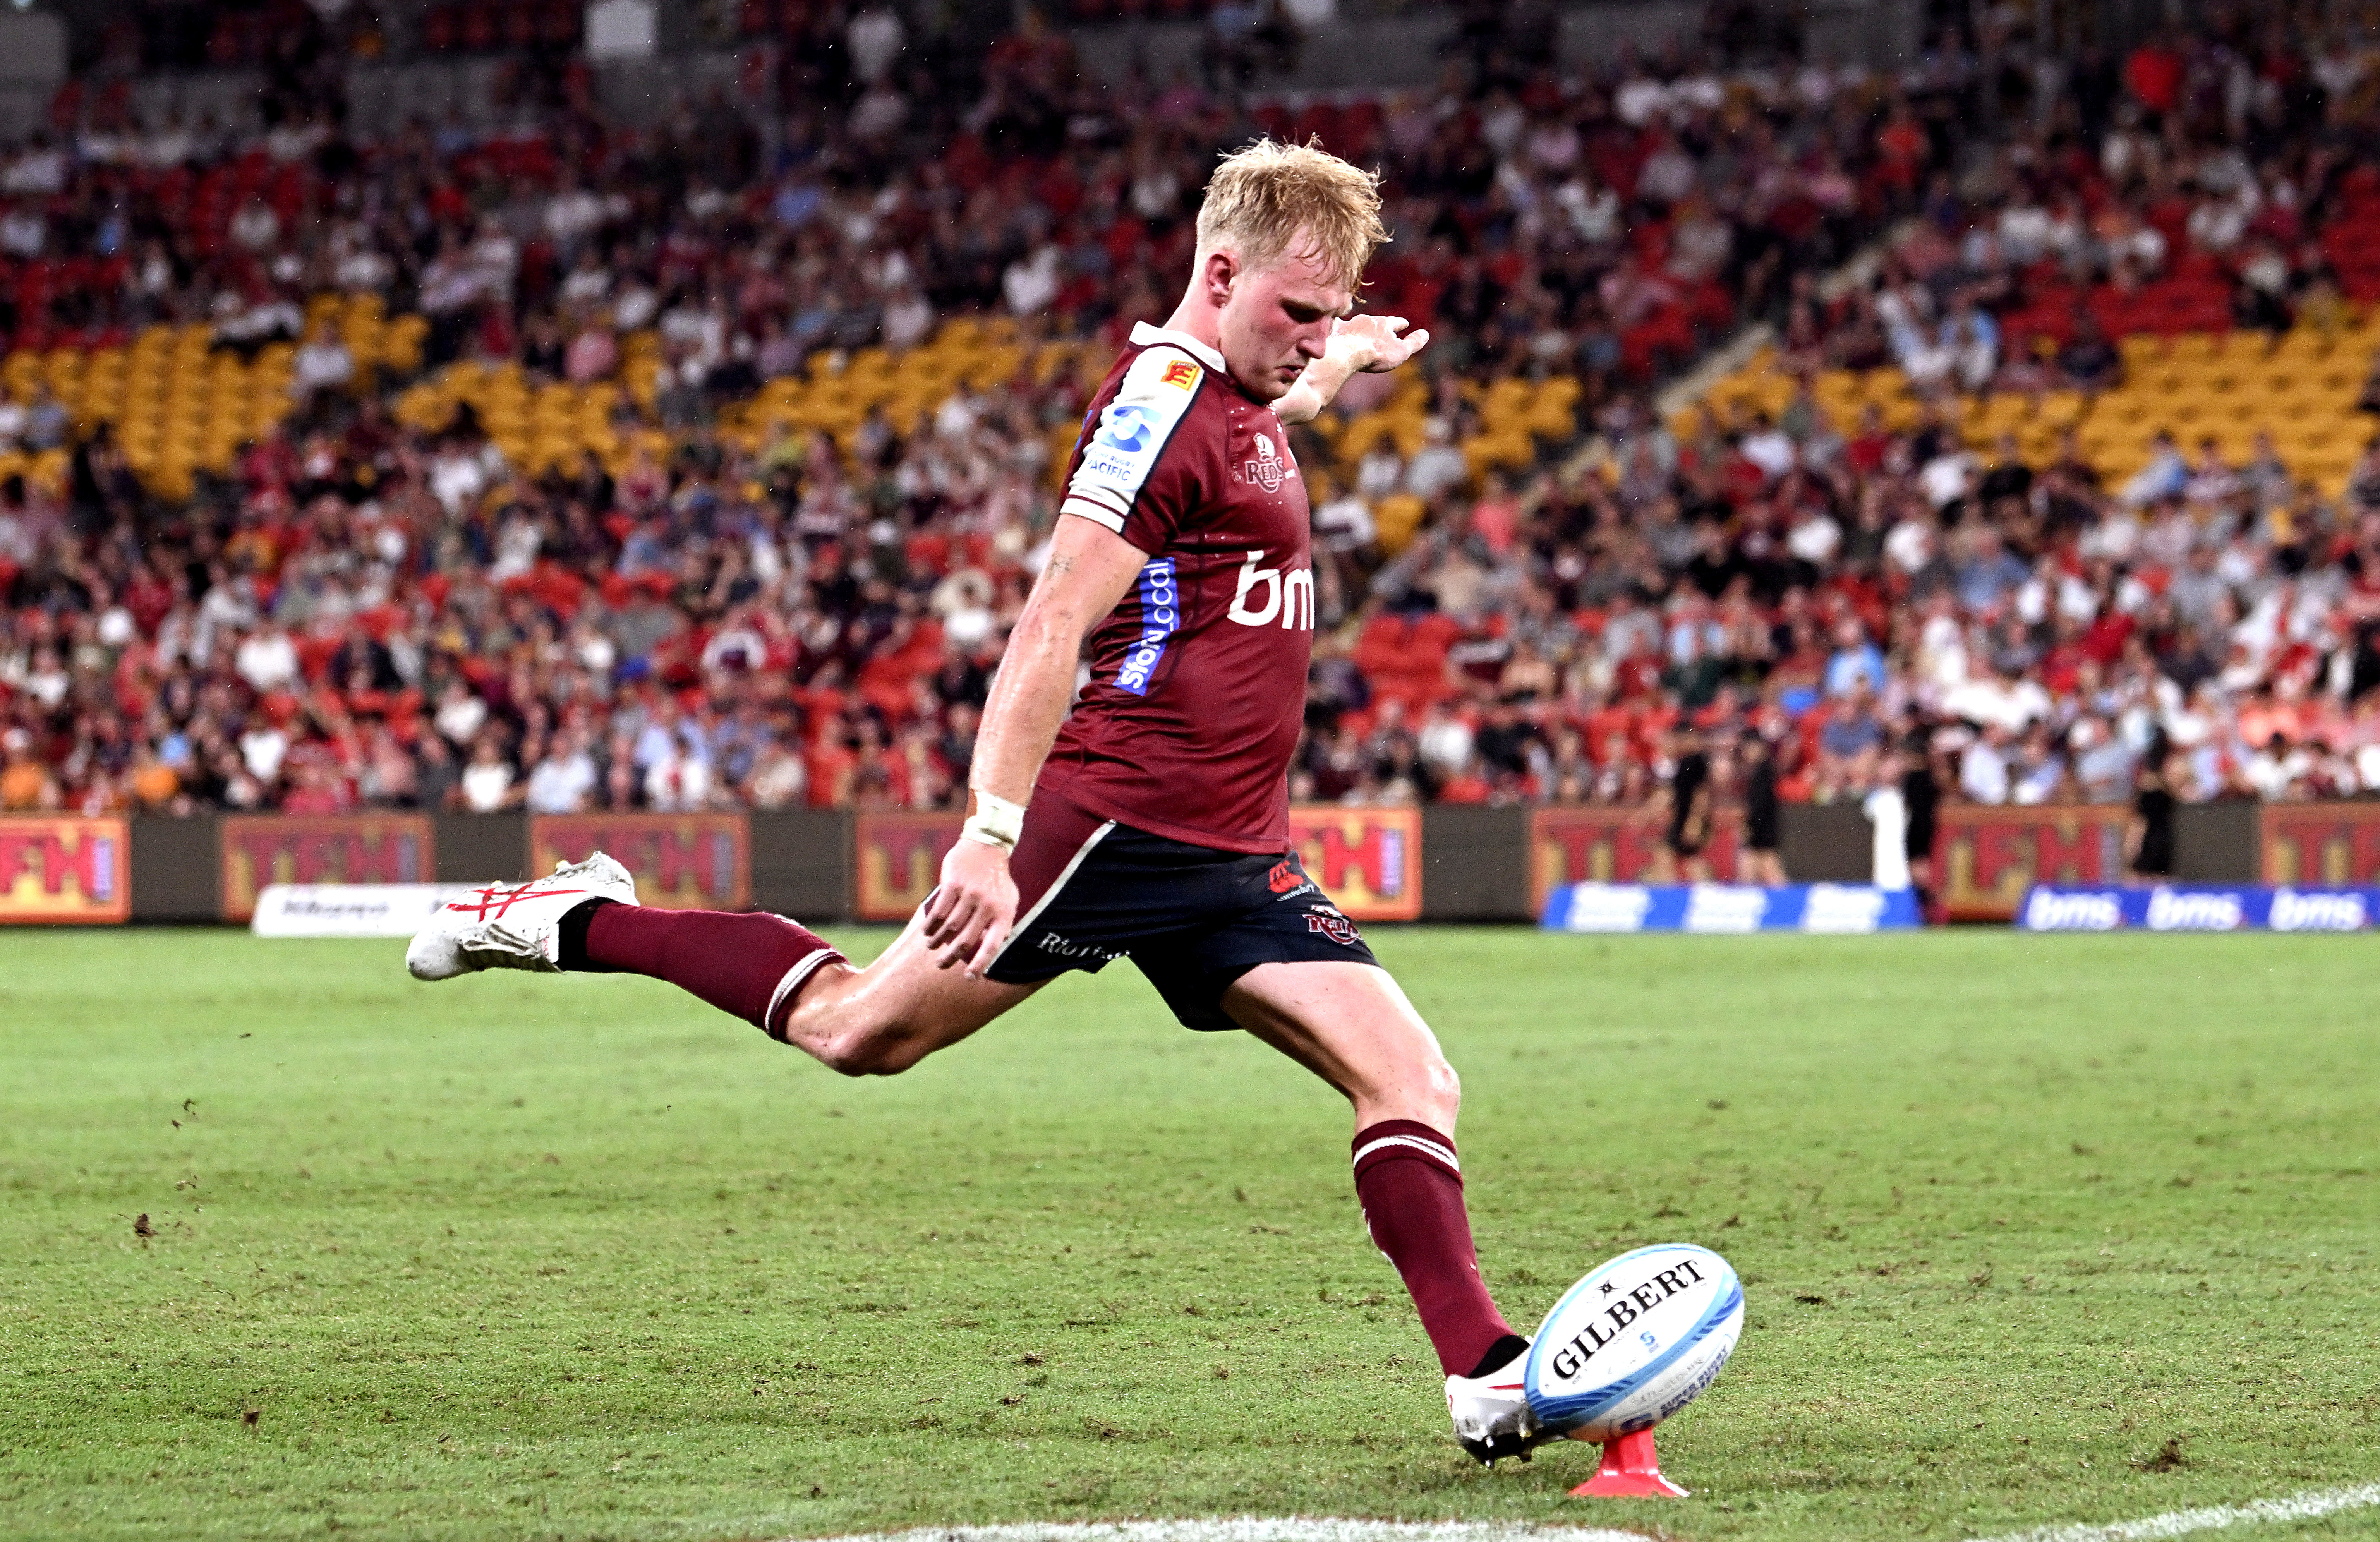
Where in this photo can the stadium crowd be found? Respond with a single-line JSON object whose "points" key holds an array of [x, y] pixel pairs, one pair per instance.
{"points": [[362, 613]]}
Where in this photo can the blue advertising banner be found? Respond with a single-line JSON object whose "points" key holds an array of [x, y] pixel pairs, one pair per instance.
{"points": [[1729, 907], [2196, 907]]}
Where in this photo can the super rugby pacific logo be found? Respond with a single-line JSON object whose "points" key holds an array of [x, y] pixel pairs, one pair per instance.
{"points": [[1161, 617], [1123, 445], [1126, 429]]}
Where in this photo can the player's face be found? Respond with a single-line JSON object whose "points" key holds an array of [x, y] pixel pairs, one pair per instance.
{"points": [[1278, 320]]}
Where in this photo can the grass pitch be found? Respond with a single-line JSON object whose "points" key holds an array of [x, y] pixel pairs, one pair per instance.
{"points": [[2033, 1230]]}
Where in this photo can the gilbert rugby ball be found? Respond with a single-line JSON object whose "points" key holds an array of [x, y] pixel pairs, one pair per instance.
{"points": [[1633, 1342]]}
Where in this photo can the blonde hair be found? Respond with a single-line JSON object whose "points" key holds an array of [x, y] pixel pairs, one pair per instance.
{"points": [[1262, 197]]}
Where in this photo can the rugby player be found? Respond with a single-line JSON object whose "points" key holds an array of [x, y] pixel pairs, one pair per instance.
{"points": [[1151, 823]]}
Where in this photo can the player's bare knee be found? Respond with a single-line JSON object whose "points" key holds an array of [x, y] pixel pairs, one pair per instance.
{"points": [[869, 1045], [1424, 1090], [866, 1053], [1442, 1091]]}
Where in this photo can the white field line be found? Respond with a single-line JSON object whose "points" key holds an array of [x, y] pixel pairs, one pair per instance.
{"points": [[2308, 1506], [2311, 1505], [1257, 1528]]}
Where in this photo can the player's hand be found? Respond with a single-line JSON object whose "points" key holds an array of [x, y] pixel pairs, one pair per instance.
{"points": [[967, 918], [1372, 344]]}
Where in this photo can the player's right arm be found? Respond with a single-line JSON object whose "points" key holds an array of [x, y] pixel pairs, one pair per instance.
{"points": [[1359, 345], [1131, 488], [1089, 571]]}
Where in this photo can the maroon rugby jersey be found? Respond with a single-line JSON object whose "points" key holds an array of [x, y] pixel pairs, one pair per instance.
{"points": [[1197, 681]]}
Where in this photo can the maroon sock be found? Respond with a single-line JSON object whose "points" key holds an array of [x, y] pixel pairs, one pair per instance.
{"points": [[752, 966], [1411, 1186]]}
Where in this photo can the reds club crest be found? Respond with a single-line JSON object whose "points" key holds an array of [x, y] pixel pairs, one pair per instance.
{"points": [[1331, 924], [1267, 468]]}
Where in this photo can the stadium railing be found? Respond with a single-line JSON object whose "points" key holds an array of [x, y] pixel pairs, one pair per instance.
{"points": [[1435, 864]]}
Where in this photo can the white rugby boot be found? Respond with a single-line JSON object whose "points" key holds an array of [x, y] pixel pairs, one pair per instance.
{"points": [[508, 926], [1491, 1412]]}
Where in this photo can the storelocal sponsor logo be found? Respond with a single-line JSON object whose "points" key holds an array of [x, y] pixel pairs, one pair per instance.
{"points": [[1161, 616]]}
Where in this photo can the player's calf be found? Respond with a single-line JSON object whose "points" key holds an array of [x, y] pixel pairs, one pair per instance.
{"points": [[751, 966], [882, 1020], [1410, 1184], [585, 918], [1350, 1024]]}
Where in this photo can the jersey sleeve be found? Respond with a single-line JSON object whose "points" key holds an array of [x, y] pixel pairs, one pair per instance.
{"points": [[1137, 475]]}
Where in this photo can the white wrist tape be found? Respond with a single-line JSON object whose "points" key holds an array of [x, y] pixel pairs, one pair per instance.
{"points": [[995, 823]]}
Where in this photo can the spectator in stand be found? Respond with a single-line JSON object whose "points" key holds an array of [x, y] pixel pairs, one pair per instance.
{"points": [[2088, 360], [25, 783], [324, 365], [1983, 768], [564, 780], [487, 784]]}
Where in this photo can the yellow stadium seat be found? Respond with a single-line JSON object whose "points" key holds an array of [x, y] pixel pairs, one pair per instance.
{"points": [[1397, 517]]}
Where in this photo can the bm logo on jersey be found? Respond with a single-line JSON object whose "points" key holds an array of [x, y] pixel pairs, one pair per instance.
{"points": [[1267, 594]]}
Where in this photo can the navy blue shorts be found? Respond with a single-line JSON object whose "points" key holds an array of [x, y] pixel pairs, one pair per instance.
{"points": [[1090, 891]]}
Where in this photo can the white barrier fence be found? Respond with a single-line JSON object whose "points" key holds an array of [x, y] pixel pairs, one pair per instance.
{"points": [[352, 909]]}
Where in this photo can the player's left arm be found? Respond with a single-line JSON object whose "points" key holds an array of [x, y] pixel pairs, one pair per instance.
{"points": [[1364, 344]]}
